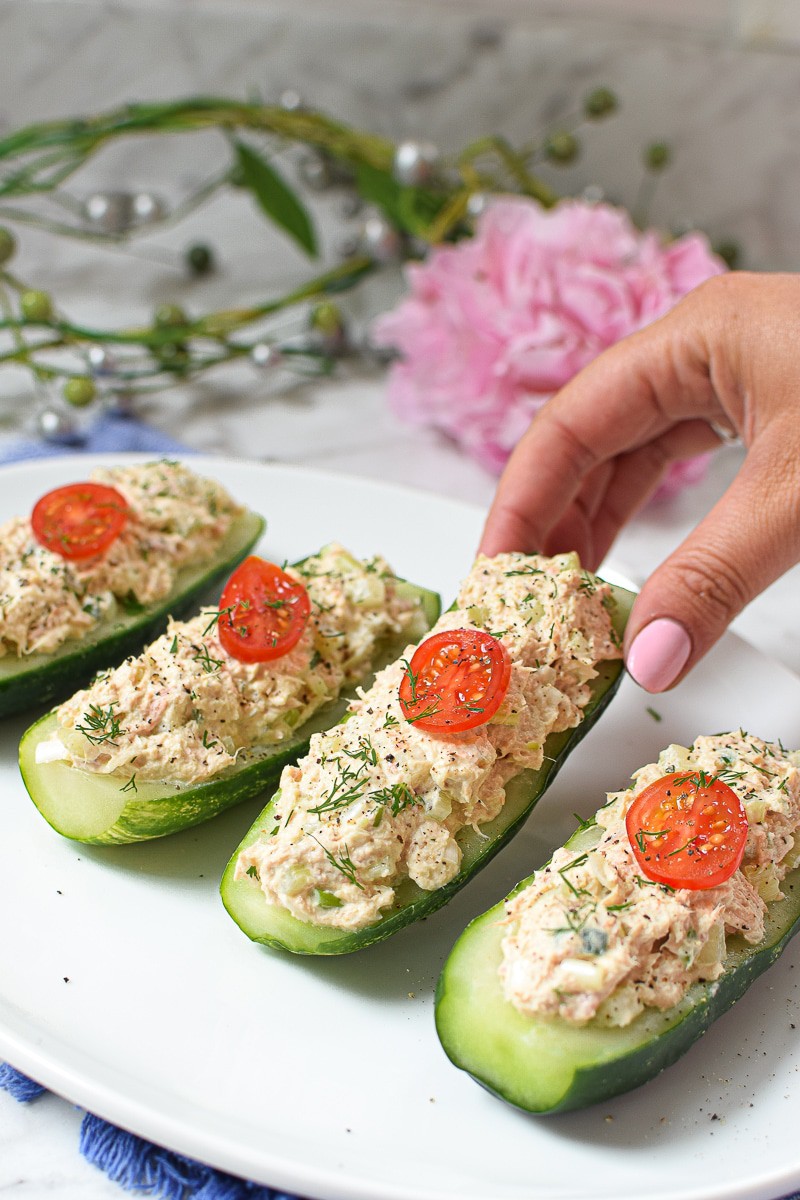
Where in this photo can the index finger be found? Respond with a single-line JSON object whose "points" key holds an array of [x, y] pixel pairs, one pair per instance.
{"points": [[627, 397]]}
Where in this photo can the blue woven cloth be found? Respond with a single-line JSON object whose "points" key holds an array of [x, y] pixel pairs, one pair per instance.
{"points": [[139, 1165], [126, 1159], [109, 434]]}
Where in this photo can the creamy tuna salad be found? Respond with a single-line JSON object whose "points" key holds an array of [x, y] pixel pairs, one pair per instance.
{"points": [[184, 709], [175, 519], [592, 939], [378, 800]]}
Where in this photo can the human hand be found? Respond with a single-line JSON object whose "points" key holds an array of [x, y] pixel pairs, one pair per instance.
{"points": [[727, 356]]}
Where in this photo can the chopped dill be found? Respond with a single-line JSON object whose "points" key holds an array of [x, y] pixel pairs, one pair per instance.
{"points": [[101, 725]]}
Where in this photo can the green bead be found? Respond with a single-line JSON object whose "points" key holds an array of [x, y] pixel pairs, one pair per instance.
{"points": [[327, 318], [657, 156], [167, 315], [729, 252], [8, 244], [200, 259], [562, 147], [600, 103], [79, 391], [36, 306]]}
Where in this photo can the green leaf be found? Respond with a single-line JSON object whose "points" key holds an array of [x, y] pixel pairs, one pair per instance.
{"points": [[276, 198], [412, 209], [379, 188]]}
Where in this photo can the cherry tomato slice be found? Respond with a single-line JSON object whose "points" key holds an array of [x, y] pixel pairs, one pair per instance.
{"points": [[688, 831], [456, 680], [264, 612], [79, 520]]}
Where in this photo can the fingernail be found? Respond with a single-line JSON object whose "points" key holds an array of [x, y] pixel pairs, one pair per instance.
{"points": [[658, 654]]}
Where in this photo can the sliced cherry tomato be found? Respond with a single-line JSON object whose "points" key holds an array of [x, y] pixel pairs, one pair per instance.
{"points": [[79, 520], [456, 680], [688, 830], [263, 612]]}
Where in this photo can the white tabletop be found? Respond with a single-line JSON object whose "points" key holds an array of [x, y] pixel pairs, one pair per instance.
{"points": [[344, 425]]}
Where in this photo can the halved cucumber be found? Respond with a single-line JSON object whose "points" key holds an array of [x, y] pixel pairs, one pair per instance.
{"points": [[106, 810], [275, 926], [546, 1064], [40, 678]]}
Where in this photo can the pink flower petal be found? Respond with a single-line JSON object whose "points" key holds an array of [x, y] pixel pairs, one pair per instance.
{"points": [[493, 325]]}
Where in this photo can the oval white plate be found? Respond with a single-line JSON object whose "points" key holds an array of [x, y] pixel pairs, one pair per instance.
{"points": [[126, 988]]}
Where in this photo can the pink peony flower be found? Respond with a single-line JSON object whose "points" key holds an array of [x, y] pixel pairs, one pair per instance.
{"points": [[496, 324]]}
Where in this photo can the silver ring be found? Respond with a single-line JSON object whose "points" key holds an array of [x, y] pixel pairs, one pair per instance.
{"points": [[728, 436]]}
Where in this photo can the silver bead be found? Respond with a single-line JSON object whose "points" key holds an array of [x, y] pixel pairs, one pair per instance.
{"points": [[148, 208], [265, 356], [290, 100], [110, 212], [415, 163], [55, 425], [379, 239], [102, 364], [593, 194], [477, 204], [315, 171]]}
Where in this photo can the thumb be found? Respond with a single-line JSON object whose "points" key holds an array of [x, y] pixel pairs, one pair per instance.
{"points": [[747, 540]]}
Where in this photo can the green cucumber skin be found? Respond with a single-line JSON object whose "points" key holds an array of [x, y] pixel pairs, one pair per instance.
{"points": [[156, 810], [40, 679], [482, 1033], [276, 928]]}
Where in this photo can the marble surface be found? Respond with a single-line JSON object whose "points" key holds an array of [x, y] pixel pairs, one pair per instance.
{"points": [[719, 80]]}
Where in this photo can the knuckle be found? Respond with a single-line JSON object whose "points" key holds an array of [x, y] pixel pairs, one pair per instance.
{"points": [[581, 456], [713, 585]]}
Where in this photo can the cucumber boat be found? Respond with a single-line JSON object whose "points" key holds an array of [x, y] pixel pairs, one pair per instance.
{"points": [[273, 925], [542, 1063], [104, 809]]}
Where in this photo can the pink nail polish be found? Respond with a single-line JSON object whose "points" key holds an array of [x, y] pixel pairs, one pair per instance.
{"points": [[658, 654]]}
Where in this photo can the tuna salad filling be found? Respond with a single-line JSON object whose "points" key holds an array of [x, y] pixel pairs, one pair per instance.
{"points": [[378, 800], [592, 939], [184, 710], [175, 519]]}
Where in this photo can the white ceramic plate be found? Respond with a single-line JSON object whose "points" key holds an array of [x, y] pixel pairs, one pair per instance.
{"points": [[126, 988]]}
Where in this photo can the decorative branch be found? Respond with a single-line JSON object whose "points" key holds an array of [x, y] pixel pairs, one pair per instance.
{"points": [[417, 197]]}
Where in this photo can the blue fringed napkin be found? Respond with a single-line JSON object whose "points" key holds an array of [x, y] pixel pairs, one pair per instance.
{"points": [[139, 1165], [109, 434], [126, 1159]]}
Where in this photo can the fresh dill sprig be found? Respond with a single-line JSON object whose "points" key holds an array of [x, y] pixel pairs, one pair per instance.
{"points": [[412, 679], [432, 710], [344, 863], [576, 862], [224, 612], [641, 834], [206, 660], [101, 725], [397, 797]]}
